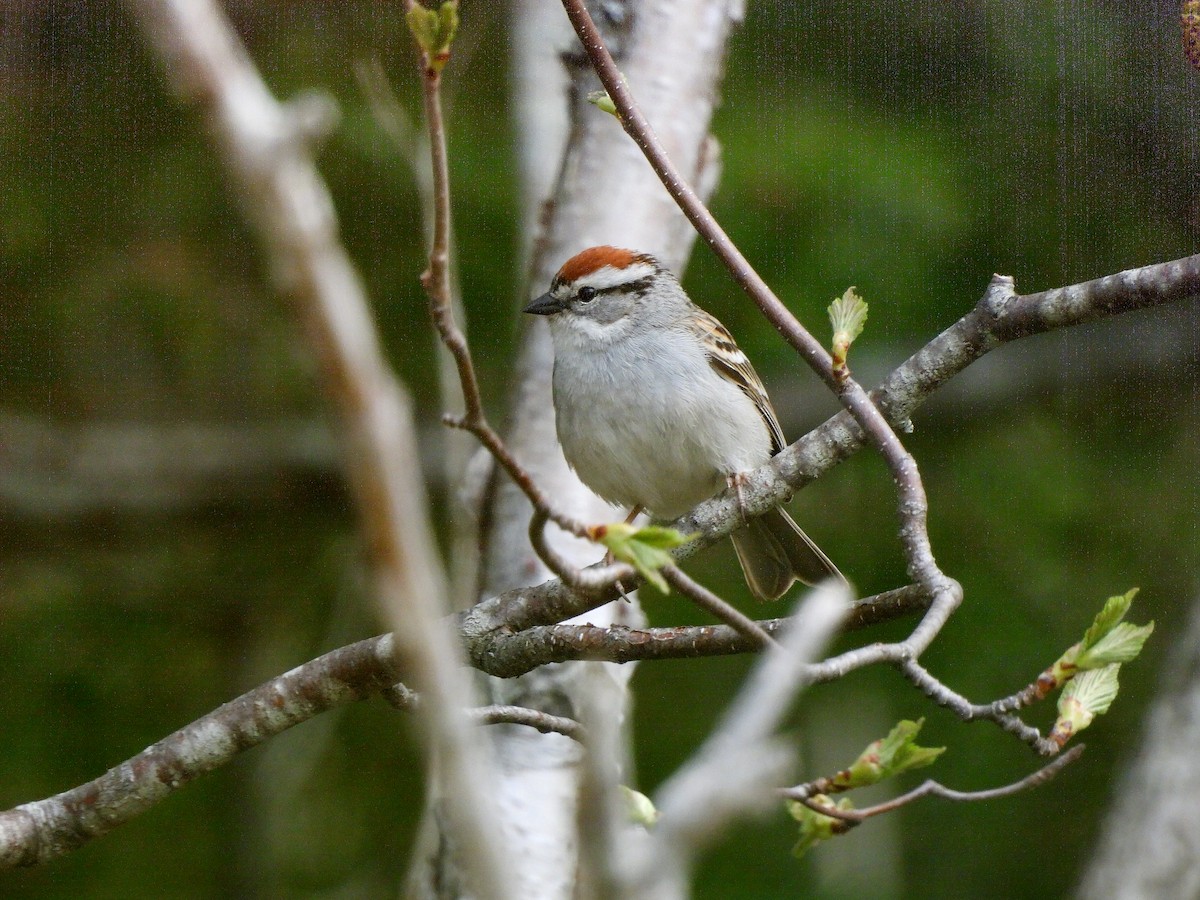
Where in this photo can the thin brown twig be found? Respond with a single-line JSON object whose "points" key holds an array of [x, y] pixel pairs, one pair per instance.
{"points": [[436, 278], [436, 281], [805, 793], [707, 600], [997, 712], [495, 445], [913, 504], [602, 582]]}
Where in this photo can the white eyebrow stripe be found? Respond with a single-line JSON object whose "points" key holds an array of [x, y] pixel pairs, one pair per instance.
{"points": [[610, 277]]}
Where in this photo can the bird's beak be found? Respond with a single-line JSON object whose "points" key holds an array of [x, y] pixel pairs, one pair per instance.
{"points": [[545, 305]]}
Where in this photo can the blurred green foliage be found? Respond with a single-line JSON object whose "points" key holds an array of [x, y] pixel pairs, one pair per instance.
{"points": [[911, 149]]}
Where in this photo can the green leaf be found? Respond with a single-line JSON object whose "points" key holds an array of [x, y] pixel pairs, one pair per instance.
{"points": [[1088, 695], [889, 756], [422, 23], [646, 549], [660, 537], [1113, 612], [848, 315], [434, 30], [815, 827], [1120, 645], [639, 807], [602, 101], [1107, 640], [1092, 691]]}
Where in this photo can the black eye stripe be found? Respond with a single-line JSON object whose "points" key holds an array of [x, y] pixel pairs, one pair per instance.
{"points": [[629, 287], [633, 287]]}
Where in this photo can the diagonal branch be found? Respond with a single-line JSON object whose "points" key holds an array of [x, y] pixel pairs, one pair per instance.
{"points": [[37, 832], [1000, 316], [912, 502], [264, 146]]}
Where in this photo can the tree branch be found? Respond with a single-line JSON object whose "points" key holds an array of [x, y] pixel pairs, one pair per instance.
{"points": [[34, 833], [511, 654], [265, 149], [37, 832], [504, 714], [913, 504], [804, 793], [1000, 316]]}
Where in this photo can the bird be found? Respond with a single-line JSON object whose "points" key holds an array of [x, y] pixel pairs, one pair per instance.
{"points": [[657, 408]]}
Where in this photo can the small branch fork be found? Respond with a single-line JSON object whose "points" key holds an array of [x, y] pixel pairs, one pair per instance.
{"points": [[804, 793]]}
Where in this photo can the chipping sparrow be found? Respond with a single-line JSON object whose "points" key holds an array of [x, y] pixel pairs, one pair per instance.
{"points": [[658, 408]]}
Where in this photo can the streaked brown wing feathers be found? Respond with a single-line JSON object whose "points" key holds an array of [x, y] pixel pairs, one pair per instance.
{"points": [[728, 359]]}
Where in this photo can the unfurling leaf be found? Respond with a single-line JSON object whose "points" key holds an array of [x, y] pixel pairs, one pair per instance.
{"points": [[896, 753], [434, 30], [814, 826], [1108, 640], [602, 101], [848, 315], [1113, 612], [1120, 645], [1088, 695], [646, 548], [639, 807]]}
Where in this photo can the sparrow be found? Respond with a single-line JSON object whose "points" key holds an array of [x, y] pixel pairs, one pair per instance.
{"points": [[658, 409]]}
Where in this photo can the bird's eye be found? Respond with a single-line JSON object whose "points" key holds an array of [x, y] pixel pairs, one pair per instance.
{"points": [[587, 294]]}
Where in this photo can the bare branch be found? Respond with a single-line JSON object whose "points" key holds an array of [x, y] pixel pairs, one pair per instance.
{"points": [[730, 775], [707, 600], [34, 833], [508, 654], [501, 714], [436, 279], [264, 146], [970, 712]]}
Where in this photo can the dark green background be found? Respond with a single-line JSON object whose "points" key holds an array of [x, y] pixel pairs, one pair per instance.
{"points": [[909, 148]]}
